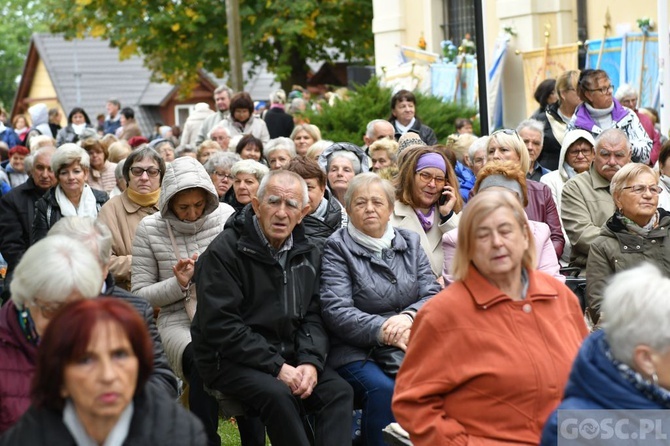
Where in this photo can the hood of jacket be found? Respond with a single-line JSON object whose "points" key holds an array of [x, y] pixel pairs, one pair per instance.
{"points": [[39, 114], [353, 148], [583, 120], [568, 140], [596, 379], [181, 174]]}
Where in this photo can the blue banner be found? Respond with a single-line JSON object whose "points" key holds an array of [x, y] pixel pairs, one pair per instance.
{"points": [[641, 73], [611, 57]]}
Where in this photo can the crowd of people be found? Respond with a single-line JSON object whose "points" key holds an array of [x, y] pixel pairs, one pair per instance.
{"points": [[249, 266]]}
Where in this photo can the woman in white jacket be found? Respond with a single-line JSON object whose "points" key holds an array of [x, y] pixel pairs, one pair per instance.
{"points": [[165, 249]]}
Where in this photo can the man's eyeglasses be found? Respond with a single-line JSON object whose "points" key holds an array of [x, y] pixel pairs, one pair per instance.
{"points": [[427, 178], [639, 189], [138, 171], [604, 90], [224, 175]]}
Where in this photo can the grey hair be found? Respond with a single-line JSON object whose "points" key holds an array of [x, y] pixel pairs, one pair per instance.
{"points": [[30, 159], [370, 129], [36, 142], [319, 147], [28, 163], [140, 154], [222, 88], [624, 91], [280, 143], [636, 311], [532, 124], [118, 171], [67, 154], [220, 125], [613, 137], [296, 105], [250, 167], [184, 149], [52, 269], [224, 160], [627, 173], [346, 154], [278, 97], [481, 143], [94, 234], [260, 194], [365, 180]]}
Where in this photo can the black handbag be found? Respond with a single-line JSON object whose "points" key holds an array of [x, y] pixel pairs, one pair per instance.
{"points": [[388, 358]]}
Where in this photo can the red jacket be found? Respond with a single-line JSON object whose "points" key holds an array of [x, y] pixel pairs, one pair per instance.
{"points": [[17, 367], [482, 368], [653, 134]]}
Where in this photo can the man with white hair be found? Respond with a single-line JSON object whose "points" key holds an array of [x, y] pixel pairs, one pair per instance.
{"points": [[586, 199], [220, 135], [17, 209], [627, 95], [258, 333], [377, 129], [531, 132], [222, 97]]}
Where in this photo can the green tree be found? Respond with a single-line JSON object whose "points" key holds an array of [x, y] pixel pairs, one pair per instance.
{"points": [[178, 37], [20, 18]]}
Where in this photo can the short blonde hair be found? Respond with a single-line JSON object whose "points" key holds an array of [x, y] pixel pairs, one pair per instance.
{"points": [[511, 139], [68, 154], [119, 150], [627, 173], [478, 208], [389, 145]]}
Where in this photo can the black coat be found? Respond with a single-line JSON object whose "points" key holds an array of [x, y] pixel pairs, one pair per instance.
{"points": [[279, 123], [426, 134], [162, 375], [47, 212], [318, 231], [157, 420], [17, 212], [251, 310], [551, 148]]}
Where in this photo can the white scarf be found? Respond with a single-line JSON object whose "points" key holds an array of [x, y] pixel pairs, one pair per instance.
{"points": [[602, 116], [87, 205], [402, 128], [78, 128], [376, 245], [116, 436]]}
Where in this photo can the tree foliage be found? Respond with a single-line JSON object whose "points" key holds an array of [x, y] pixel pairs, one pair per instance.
{"points": [[20, 18], [346, 119], [178, 37]]}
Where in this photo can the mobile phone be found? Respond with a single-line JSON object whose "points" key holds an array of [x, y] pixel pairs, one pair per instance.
{"points": [[443, 199]]}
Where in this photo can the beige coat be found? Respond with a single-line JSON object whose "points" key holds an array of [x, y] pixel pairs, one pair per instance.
{"points": [[404, 217], [122, 216], [154, 256]]}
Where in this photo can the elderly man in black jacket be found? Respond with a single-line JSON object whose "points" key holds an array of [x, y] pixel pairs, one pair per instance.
{"points": [[17, 209], [258, 334]]}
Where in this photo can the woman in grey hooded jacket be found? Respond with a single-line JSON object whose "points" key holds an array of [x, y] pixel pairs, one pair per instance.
{"points": [[165, 249]]}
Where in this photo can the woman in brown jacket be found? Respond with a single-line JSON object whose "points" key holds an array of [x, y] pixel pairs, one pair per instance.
{"points": [[143, 170]]}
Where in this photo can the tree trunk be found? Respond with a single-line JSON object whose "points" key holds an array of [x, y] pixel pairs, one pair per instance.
{"points": [[299, 71]]}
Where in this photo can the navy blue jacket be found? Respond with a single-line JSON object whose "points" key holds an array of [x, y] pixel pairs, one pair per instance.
{"points": [[596, 384]]}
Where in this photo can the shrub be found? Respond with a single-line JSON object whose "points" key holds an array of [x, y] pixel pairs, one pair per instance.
{"points": [[346, 119]]}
